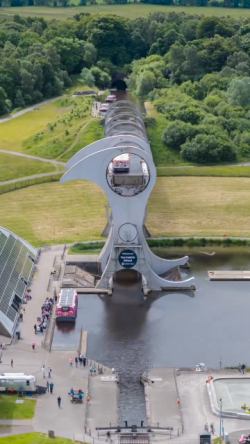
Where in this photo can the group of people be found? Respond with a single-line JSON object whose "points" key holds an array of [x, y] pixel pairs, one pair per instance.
{"points": [[76, 394], [44, 318], [241, 368], [80, 359]]}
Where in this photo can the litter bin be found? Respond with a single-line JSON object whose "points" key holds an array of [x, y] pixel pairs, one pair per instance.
{"points": [[205, 438]]}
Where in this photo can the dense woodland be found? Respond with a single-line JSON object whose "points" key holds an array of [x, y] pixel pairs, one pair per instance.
{"points": [[195, 70]]}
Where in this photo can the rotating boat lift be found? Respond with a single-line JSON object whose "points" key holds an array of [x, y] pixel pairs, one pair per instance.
{"points": [[126, 246]]}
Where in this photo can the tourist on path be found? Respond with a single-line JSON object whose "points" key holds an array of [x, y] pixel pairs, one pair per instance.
{"points": [[70, 362], [33, 344], [76, 361], [47, 386], [243, 368], [51, 386], [59, 401], [43, 371], [11, 362], [49, 372], [35, 329], [84, 361], [239, 368]]}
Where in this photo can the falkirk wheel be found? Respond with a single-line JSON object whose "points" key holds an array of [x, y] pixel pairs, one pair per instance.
{"points": [[122, 165]]}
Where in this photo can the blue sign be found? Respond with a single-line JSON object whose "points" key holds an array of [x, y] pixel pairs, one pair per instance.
{"points": [[127, 258]]}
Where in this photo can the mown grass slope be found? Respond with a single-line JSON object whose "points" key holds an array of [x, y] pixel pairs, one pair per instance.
{"points": [[178, 206], [14, 167]]}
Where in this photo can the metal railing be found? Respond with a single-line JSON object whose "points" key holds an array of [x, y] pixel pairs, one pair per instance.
{"points": [[47, 342], [63, 253]]}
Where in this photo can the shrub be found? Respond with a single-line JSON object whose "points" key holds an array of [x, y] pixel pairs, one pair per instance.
{"points": [[177, 133], [208, 149]]}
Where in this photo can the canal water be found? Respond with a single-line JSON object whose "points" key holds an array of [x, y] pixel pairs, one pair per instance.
{"points": [[171, 329]]}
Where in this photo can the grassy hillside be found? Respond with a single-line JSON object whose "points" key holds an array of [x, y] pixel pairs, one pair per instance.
{"points": [[14, 167], [178, 206], [130, 11]]}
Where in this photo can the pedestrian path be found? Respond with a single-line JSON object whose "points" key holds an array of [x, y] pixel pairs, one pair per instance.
{"points": [[29, 156]]}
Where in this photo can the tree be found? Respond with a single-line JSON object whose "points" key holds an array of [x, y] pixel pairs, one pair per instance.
{"points": [[88, 77], [71, 52], [208, 149], [146, 83], [111, 37], [177, 133], [209, 26], [19, 102], [82, 3], [4, 109], [102, 79], [238, 92]]}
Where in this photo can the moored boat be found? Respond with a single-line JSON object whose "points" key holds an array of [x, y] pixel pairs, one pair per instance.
{"points": [[66, 308]]}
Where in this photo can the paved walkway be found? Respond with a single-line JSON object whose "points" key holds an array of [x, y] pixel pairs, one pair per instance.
{"points": [[47, 416], [16, 430], [196, 408], [162, 397], [102, 395], [29, 156], [39, 293]]}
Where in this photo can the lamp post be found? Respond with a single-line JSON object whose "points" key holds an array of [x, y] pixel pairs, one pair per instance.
{"points": [[220, 420]]}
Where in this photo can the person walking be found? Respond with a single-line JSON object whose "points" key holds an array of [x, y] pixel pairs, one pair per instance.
{"points": [[43, 371], [84, 362], [59, 401], [76, 361], [35, 329], [49, 372], [33, 344], [70, 362], [243, 368], [239, 368], [47, 386], [80, 360], [11, 362], [51, 386]]}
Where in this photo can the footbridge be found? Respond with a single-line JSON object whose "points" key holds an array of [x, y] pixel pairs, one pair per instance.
{"points": [[122, 165]]}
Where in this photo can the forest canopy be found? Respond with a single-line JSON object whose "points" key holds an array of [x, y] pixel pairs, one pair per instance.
{"points": [[195, 70]]}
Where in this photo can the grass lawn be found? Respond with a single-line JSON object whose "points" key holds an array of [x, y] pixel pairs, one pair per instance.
{"points": [[33, 438], [15, 131], [178, 206], [216, 171], [131, 11], [48, 131], [13, 167], [10, 410]]}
